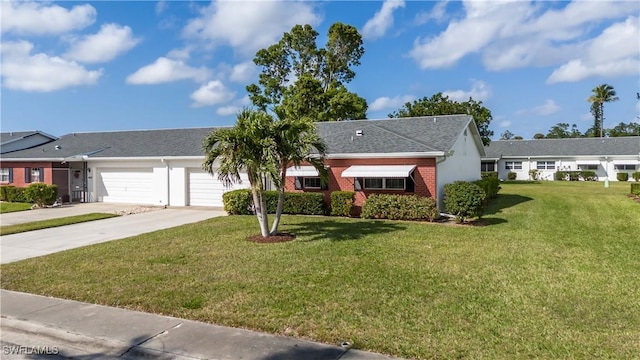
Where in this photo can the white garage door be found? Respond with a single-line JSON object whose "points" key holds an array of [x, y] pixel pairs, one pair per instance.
{"points": [[207, 190], [126, 186]]}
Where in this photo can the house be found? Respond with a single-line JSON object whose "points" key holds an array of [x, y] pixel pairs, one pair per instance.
{"points": [[394, 156], [605, 156], [13, 141], [164, 167]]}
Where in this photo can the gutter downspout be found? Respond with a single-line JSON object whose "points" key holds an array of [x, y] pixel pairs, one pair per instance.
{"points": [[168, 203]]}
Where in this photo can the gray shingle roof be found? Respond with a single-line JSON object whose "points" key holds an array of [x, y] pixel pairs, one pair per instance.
{"points": [[419, 134], [564, 147], [18, 140]]}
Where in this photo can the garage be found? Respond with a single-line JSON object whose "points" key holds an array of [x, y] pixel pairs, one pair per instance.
{"points": [[206, 190], [126, 185]]}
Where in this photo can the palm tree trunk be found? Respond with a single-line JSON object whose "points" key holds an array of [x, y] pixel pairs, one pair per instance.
{"points": [[261, 211], [276, 220]]}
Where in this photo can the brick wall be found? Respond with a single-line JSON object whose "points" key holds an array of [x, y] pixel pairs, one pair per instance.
{"points": [[424, 176], [19, 170]]}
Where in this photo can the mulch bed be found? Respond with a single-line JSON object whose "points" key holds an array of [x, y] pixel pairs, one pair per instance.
{"points": [[280, 237], [634, 197]]}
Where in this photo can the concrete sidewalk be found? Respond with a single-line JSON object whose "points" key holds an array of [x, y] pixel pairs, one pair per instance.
{"points": [[88, 331], [21, 217], [47, 241]]}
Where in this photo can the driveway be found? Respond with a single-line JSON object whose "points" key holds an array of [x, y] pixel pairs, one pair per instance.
{"points": [[47, 241]]}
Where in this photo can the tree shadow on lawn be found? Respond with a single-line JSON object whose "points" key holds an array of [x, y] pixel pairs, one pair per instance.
{"points": [[341, 231], [503, 201]]}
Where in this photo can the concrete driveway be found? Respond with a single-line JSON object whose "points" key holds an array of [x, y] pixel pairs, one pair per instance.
{"points": [[47, 241]]}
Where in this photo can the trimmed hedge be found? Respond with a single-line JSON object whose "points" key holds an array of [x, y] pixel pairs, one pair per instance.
{"points": [[399, 207], [490, 185], [240, 202], [622, 176], [464, 200], [511, 175], [635, 189], [341, 203], [636, 176], [42, 194], [486, 174], [576, 175], [11, 193]]}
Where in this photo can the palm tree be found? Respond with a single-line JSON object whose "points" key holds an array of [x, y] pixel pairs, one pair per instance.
{"points": [[248, 146], [599, 95], [296, 141]]}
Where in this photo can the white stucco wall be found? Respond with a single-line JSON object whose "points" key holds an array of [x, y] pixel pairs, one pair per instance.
{"points": [[606, 167], [462, 164]]}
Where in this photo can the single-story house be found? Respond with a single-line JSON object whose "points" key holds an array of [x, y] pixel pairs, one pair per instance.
{"points": [[164, 167], [13, 141], [394, 156], [605, 156]]}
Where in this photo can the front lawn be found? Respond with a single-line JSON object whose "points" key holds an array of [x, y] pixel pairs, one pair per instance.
{"points": [[44, 224], [7, 207], [553, 275]]}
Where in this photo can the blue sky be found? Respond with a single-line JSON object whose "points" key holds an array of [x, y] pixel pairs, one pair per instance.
{"points": [[120, 65]]}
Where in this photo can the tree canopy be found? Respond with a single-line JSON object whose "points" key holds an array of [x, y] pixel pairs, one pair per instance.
{"points": [[304, 80], [561, 130], [599, 95], [440, 104]]}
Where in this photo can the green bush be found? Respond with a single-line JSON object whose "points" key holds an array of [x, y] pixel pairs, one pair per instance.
{"points": [[635, 189], [636, 176], [42, 194], [575, 175], [588, 175], [560, 176], [400, 207], [15, 194], [533, 174], [512, 175], [486, 174], [490, 185], [622, 176], [464, 200], [341, 203], [238, 202], [3, 193]]}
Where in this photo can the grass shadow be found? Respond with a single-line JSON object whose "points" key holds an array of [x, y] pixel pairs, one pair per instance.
{"points": [[503, 201], [336, 230]]}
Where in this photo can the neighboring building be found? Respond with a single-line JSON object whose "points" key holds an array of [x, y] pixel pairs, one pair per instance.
{"points": [[164, 167], [13, 141], [394, 156], [605, 156]]}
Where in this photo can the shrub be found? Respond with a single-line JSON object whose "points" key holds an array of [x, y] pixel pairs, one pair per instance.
{"points": [[464, 200], [512, 175], [301, 203], [15, 194], [533, 174], [341, 203], [238, 202], [400, 207], [42, 194], [636, 176], [588, 175], [490, 185], [560, 176], [635, 189], [487, 174], [3, 193], [622, 176]]}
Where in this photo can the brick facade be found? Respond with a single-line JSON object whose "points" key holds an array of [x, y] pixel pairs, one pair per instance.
{"points": [[19, 172], [424, 176]]}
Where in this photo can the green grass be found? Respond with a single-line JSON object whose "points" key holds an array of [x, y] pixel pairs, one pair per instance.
{"points": [[7, 207], [44, 224], [554, 275]]}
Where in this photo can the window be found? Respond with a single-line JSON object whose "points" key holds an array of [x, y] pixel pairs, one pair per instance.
{"points": [[546, 165], [625, 167], [588, 167], [513, 165], [6, 175], [32, 175], [487, 166], [312, 183], [385, 183]]}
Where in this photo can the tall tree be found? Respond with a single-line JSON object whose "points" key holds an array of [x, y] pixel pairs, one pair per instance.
{"points": [[600, 95], [439, 104], [624, 129], [248, 146], [506, 135], [305, 81], [561, 131]]}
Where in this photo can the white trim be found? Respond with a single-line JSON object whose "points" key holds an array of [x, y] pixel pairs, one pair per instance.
{"points": [[626, 162], [587, 162], [378, 171], [304, 171], [386, 155]]}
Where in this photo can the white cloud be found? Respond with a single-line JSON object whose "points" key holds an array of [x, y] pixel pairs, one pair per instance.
{"points": [[480, 91], [242, 72], [437, 13], [180, 54], [161, 6], [43, 18], [385, 102], [40, 72], [607, 55], [105, 45], [228, 110], [249, 25], [549, 107], [382, 20], [165, 70], [212, 93], [505, 123], [516, 34]]}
